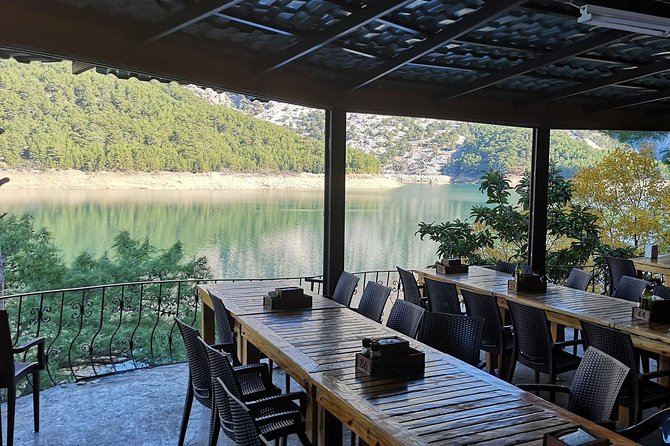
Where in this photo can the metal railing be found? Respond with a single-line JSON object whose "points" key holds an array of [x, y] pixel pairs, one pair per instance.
{"points": [[98, 330]]}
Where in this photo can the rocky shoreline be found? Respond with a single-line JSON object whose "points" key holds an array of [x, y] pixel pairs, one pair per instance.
{"points": [[75, 179]]}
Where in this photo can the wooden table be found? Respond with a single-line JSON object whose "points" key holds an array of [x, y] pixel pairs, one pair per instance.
{"points": [[661, 265], [452, 403]]}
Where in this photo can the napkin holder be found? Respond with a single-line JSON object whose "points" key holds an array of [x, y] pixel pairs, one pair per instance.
{"points": [[656, 311], [396, 358], [451, 266], [527, 283], [287, 298], [574, 436]]}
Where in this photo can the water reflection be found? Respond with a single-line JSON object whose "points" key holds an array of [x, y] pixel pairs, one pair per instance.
{"points": [[257, 233]]}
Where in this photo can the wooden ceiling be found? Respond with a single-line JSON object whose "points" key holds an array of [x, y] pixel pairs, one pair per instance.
{"points": [[512, 62]]}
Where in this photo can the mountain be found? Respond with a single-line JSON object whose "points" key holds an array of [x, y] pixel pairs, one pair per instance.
{"points": [[437, 147]]}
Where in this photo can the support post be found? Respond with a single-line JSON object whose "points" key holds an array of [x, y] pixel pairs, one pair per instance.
{"points": [[335, 178], [537, 226]]}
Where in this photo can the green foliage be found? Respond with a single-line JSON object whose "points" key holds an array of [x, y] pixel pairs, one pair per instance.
{"points": [[92, 122], [457, 239], [573, 234]]}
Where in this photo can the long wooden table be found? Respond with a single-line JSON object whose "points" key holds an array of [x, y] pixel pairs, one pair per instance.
{"points": [[661, 265], [566, 306], [451, 403]]}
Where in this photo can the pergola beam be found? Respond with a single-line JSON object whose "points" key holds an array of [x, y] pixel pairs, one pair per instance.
{"points": [[639, 100], [624, 76], [554, 56], [191, 14], [345, 26], [472, 21]]}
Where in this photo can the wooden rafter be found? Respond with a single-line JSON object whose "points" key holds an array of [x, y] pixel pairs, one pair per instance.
{"points": [[191, 14], [351, 23], [466, 24], [554, 56], [623, 76], [639, 100]]}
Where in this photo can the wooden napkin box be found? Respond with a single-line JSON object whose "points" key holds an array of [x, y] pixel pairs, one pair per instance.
{"points": [[527, 283], [451, 266], [657, 311], [413, 363], [287, 298], [574, 436]]}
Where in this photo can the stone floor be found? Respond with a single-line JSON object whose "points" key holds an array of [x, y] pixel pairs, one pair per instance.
{"points": [[136, 408]]}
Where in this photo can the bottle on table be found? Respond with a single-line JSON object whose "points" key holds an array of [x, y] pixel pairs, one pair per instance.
{"points": [[365, 350]]}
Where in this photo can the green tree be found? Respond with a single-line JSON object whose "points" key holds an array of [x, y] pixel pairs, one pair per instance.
{"points": [[629, 196]]}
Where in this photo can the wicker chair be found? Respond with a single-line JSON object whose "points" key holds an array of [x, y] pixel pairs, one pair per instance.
{"points": [[497, 339], [410, 288], [535, 347], [455, 335], [662, 291], [248, 383], [630, 288], [259, 383], [225, 336], [659, 422], [442, 297], [639, 392], [11, 372], [344, 290], [373, 300], [579, 279], [617, 269], [405, 317], [253, 430], [510, 267], [595, 387]]}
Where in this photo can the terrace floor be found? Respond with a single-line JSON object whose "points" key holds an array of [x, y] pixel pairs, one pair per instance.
{"points": [[136, 408]]}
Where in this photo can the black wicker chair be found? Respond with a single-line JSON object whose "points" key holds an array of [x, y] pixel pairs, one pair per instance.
{"points": [[344, 290], [630, 288], [595, 387], [497, 338], [534, 346], [373, 300], [11, 372], [662, 291], [510, 267], [659, 422], [248, 383], [405, 317], [579, 279], [258, 384], [410, 288], [639, 392], [225, 336], [442, 297], [617, 269], [254, 429], [453, 334]]}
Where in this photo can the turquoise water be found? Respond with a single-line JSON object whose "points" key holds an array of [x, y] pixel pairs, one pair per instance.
{"points": [[260, 233]]}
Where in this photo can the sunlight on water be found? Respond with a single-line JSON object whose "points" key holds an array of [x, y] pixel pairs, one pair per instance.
{"points": [[259, 233]]}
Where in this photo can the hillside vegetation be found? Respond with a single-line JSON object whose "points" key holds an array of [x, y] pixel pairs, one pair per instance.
{"points": [[91, 122]]}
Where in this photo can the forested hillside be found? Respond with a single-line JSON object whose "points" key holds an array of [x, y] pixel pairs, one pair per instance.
{"points": [[54, 119]]}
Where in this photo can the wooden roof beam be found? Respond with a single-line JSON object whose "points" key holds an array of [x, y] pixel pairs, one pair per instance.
{"points": [[345, 26], [189, 15], [623, 76], [639, 100], [474, 20], [557, 55]]}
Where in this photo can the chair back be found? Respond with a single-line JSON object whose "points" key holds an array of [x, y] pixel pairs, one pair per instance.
{"points": [[531, 329], [662, 291], [485, 307], [510, 267], [578, 279], [198, 365], [455, 335], [344, 290], [246, 432], [596, 385], [224, 332], [6, 355], [220, 368], [617, 269], [409, 286], [405, 317], [442, 297], [373, 300], [630, 288]]}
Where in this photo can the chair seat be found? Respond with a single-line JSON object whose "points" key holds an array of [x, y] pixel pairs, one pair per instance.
{"points": [[253, 385], [288, 423], [508, 340]]}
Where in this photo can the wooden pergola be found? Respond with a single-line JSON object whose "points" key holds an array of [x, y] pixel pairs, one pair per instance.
{"points": [[510, 62]]}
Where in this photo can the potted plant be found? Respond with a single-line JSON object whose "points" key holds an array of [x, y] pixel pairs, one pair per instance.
{"points": [[457, 241]]}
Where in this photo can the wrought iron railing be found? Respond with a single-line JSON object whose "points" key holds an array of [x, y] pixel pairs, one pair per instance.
{"points": [[98, 330]]}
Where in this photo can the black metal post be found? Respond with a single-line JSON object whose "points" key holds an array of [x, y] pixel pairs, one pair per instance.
{"points": [[537, 226], [335, 173]]}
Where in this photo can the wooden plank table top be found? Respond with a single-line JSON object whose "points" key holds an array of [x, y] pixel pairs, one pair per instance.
{"points": [[661, 265], [451, 403]]}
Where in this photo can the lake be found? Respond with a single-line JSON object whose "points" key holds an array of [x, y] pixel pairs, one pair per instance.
{"points": [[258, 233]]}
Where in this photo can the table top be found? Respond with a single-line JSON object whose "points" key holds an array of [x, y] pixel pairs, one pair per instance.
{"points": [[452, 402], [573, 305], [242, 298], [659, 265]]}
